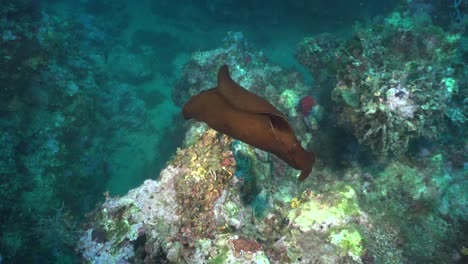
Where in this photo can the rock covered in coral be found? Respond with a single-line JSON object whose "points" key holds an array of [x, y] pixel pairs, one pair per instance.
{"points": [[144, 214], [394, 83], [333, 217], [182, 207], [195, 213], [199, 211]]}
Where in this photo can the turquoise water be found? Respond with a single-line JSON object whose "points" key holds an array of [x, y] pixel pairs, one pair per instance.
{"points": [[90, 105]]}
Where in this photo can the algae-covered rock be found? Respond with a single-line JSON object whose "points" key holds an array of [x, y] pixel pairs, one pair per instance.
{"points": [[390, 89], [289, 99], [349, 240], [351, 98], [331, 215], [197, 211]]}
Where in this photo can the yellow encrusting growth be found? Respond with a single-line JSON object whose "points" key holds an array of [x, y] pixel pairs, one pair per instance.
{"points": [[295, 202]]}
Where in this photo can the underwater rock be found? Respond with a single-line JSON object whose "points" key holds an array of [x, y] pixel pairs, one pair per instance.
{"points": [[176, 210], [119, 220], [351, 98], [194, 213], [390, 89], [134, 68], [334, 215]]}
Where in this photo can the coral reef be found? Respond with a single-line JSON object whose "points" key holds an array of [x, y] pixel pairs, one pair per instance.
{"points": [[177, 217], [194, 214], [388, 118], [221, 201], [394, 83], [226, 202], [58, 108]]}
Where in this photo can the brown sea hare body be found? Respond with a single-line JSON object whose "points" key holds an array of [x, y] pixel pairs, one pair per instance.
{"points": [[240, 114]]}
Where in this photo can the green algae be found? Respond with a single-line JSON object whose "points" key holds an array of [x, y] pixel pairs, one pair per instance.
{"points": [[220, 258], [315, 210], [349, 240], [290, 99], [116, 223], [351, 98]]}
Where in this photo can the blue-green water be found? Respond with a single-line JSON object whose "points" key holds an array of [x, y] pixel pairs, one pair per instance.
{"points": [[91, 95]]}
